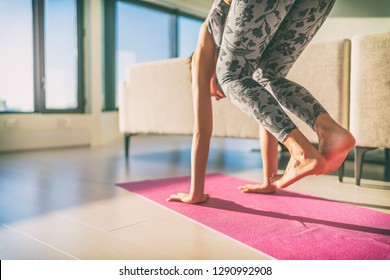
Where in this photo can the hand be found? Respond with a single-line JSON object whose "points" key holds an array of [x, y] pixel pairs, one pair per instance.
{"points": [[186, 198], [214, 89]]}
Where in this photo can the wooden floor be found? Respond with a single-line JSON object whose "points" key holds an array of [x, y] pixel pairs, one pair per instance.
{"points": [[63, 203]]}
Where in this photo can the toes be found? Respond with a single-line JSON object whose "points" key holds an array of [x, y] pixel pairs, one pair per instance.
{"points": [[172, 198], [244, 188]]}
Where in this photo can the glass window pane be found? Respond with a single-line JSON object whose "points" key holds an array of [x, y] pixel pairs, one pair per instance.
{"points": [[61, 54], [142, 35], [188, 35], [16, 56]]}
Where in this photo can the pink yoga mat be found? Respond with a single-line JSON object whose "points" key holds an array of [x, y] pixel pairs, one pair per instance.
{"points": [[285, 225]]}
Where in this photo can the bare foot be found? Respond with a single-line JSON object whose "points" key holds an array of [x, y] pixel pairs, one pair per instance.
{"points": [[299, 167], [186, 198], [334, 142], [305, 160], [258, 188]]}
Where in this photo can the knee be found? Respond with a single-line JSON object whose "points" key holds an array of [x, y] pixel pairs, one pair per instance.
{"points": [[267, 77], [271, 72], [261, 76], [229, 70]]}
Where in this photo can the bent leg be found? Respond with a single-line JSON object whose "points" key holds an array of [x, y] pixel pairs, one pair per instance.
{"points": [[296, 31], [298, 28], [249, 28]]}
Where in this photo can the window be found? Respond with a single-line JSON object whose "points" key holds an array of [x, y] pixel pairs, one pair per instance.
{"points": [[142, 32], [41, 58], [188, 29], [142, 35], [16, 56], [61, 54]]}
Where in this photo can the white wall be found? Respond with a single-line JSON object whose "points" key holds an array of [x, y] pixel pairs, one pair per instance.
{"points": [[339, 28], [361, 8], [30, 131]]}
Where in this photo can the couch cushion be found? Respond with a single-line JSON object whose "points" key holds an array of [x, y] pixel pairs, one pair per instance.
{"points": [[370, 90], [157, 98]]}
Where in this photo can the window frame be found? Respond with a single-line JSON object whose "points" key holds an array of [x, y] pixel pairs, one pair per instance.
{"points": [[38, 33], [39, 55], [187, 15]]}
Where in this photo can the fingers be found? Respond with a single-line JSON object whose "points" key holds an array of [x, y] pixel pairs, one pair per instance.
{"points": [[176, 197], [218, 94], [243, 188]]}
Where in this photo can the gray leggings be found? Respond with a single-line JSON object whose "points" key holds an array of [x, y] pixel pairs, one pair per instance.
{"points": [[261, 40]]}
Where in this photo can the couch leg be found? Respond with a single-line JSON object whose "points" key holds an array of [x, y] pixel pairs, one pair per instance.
{"points": [[359, 157], [340, 172], [127, 144]]}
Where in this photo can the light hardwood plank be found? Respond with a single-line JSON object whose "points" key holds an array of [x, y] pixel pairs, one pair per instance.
{"points": [[100, 217], [14, 245], [188, 244], [83, 242]]}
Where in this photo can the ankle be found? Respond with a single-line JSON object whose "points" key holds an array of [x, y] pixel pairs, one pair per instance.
{"points": [[324, 125], [298, 145], [324, 122]]}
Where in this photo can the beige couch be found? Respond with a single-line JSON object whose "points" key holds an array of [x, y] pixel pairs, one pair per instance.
{"points": [[156, 98], [370, 96]]}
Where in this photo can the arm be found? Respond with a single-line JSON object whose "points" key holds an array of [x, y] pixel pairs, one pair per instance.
{"points": [[203, 68], [269, 154]]}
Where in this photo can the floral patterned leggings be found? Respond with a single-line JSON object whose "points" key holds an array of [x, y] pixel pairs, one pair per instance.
{"points": [[260, 42]]}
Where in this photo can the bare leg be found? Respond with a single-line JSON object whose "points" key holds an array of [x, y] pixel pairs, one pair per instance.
{"points": [[269, 153], [334, 141], [305, 160]]}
